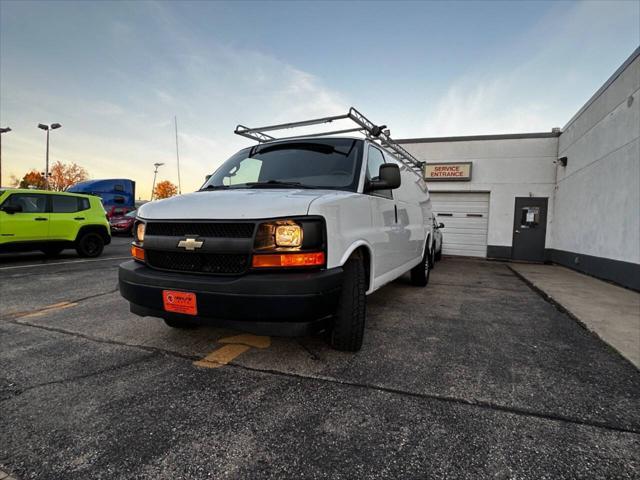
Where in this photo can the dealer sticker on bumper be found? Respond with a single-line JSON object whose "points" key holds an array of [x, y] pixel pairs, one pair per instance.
{"points": [[180, 302]]}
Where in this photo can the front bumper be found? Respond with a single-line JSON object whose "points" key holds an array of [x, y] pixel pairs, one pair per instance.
{"points": [[283, 303]]}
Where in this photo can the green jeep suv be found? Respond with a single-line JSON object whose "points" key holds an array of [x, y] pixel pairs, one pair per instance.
{"points": [[51, 222]]}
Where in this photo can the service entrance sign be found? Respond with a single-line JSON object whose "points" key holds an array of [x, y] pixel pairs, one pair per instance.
{"points": [[447, 172]]}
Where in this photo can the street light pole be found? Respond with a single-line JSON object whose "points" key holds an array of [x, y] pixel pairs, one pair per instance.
{"points": [[2, 130], [48, 128], [155, 173], [46, 165]]}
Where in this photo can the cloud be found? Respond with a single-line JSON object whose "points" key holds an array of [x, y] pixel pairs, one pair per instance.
{"points": [[543, 77], [485, 107], [126, 124]]}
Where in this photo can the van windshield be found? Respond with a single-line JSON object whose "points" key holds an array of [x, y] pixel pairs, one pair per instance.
{"points": [[323, 163]]}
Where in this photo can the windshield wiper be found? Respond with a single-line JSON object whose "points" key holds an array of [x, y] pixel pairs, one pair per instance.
{"points": [[214, 187], [276, 184]]}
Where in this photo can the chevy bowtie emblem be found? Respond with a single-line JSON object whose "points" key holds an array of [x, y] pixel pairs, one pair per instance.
{"points": [[190, 243]]}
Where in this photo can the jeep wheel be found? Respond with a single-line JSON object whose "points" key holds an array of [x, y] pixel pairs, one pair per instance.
{"points": [[182, 324], [420, 273], [348, 323], [90, 245]]}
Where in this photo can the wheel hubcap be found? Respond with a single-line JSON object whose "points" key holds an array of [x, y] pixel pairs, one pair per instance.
{"points": [[92, 245]]}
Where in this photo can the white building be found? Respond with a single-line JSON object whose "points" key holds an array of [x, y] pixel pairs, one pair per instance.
{"points": [[569, 196]]}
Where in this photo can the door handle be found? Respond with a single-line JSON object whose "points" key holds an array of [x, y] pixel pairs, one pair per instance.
{"points": [[78, 218], [40, 219]]}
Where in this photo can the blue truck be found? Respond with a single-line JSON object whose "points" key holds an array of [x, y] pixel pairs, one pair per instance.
{"points": [[114, 192], [118, 194]]}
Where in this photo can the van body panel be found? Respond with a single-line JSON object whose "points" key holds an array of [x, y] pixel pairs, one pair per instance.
{"points": [[233, 204]]}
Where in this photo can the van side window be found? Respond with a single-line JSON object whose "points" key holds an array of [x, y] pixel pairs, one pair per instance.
{"points": [[30, 202], [374, 160], [64, 204]]}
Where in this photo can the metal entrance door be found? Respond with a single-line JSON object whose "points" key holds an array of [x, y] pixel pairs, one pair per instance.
{"points": [[529, 229]]}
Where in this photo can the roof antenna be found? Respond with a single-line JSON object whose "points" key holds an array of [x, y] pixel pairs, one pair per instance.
{"points": [[175, 120]]}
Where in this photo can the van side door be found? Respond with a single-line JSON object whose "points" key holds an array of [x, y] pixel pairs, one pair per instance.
{"points": [[411, 227], [384, 219]]}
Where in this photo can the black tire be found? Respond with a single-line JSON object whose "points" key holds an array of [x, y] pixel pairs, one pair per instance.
{"points": [[432, 258], [90, 245], [181, 324], [52, 251], [347, 330], [421, 272]]}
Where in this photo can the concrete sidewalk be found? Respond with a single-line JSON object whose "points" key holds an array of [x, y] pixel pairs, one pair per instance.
{"points": [[612, 312]]}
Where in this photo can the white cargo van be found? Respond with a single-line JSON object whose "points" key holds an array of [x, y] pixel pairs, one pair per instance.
{"points": [[286, 237]]}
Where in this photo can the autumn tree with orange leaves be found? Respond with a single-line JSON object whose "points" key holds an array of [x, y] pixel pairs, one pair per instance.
{"points": [[32, 179], [61, 177], [164, 189], [64, 175]]}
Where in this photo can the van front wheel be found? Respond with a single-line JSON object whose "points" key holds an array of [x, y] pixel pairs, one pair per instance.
{"points": [[348, 323], [420, 273]]}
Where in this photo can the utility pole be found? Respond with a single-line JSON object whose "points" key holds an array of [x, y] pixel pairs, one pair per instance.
{"points": [[175, 119], [155, 173], [2, 130], [48, 128]]}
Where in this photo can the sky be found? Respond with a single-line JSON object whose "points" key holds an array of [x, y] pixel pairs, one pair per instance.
{"points": [[115, 74]]}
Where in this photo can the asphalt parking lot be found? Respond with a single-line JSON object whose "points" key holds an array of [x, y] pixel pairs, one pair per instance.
{"points": [[475, 376]]}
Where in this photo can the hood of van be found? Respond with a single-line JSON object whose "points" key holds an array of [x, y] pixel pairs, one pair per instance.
{"points": [[232, 204]]}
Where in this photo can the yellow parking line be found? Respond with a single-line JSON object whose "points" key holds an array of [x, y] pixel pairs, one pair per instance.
{"points": [[49, 308], [234, 346], [248, 339], [222, 356]]}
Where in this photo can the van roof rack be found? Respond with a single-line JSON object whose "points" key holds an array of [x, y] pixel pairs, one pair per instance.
{"points": [[376, 133]]}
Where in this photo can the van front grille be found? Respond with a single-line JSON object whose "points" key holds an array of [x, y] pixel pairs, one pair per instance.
{"points": [[213, 263], [201, 229]]}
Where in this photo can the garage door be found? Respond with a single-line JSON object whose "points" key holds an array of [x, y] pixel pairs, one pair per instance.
{"points": [[466, 220]]}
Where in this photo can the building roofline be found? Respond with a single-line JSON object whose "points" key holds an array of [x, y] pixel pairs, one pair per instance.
{"points": [[607, 84], [472, 138]]}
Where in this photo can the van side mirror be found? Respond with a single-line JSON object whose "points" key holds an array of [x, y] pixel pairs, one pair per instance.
{"points": [[441, 225], [11, 209], [206, 179], [388, 178]]}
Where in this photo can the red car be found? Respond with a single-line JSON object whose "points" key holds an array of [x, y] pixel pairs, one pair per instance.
{"points": [[114, 212], [123, 224]]}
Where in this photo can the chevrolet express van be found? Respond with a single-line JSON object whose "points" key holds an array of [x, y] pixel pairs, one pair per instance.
{"points": [[286, 237]]}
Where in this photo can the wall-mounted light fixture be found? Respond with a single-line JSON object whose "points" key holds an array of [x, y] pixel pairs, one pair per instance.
{"points": [[563, 161]]}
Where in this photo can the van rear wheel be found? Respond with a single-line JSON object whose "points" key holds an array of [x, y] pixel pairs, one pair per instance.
{"points": [[347, 331], [420, 273]]}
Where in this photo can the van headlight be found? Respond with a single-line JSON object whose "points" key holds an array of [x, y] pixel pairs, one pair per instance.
{"points": [[302, 233], [140, 232], [290, 243], [288, 236]]}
